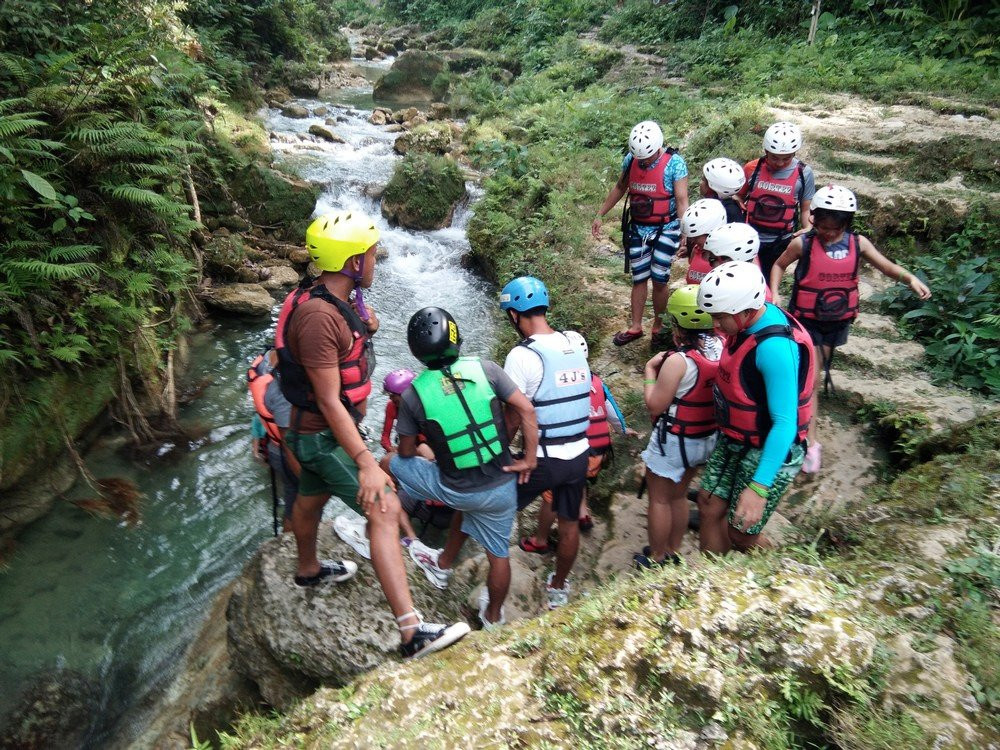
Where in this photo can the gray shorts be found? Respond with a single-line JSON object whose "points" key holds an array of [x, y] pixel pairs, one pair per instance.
{"points": [[487, 515]]}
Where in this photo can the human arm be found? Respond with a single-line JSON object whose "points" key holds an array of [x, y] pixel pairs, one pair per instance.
{"points": [[792, 253], [372, 480], [372, 323], [659, 389], [519, 404], [257, 434], [616, 193], [805, 201], [892, 270], [390, 417]]}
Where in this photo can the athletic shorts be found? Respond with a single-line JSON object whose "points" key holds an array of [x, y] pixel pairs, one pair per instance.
{"points": [[326, 467], [594, 464], [648, 259], [566, 479], [832, 333], [731, 467], [487, 515], [667, 460]]}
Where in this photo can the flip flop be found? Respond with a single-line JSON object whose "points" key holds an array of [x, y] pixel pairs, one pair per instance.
{"points": [[626, 337], [528, 545]]}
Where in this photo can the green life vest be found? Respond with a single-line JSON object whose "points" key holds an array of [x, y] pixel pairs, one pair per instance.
{"points": [[459, 402]]}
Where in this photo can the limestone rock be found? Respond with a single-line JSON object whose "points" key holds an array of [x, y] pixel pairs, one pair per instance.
{"points": [[55, 710], [240, 299], [432, 138], [378, 117], [371, 53], [402, 115], [324, 133], [296, 111], [280, 277], [320, 111], [414, 76], [423, 192], [289, 639], [439, 111], [299, 256], [880, 356]]}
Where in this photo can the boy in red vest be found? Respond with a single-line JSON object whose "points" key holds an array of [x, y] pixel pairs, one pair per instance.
{"points": [[825, 292]]}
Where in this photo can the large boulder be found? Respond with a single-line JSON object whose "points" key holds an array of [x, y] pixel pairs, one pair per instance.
{"points": [[423, 192], [326, 134], [272, 198], [414, 76], [430, 138], [57, 709], [289, 639], [252, 300], [280, 277]]}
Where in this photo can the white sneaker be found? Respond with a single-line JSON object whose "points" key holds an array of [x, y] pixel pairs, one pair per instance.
{"points": [[352, 531], [427, 559], [813, 459], [557, 597], [484, 602]]}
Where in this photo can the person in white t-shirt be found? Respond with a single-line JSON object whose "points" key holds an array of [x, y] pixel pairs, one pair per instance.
{"points": [[551, 369]]}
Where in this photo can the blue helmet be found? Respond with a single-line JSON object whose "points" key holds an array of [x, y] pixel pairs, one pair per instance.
{"points": [[524, 293]]}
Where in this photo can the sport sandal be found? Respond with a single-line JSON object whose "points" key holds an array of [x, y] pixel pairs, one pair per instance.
{"points": [[429, 636], [527, 543], [484, 602], [626, 337]]}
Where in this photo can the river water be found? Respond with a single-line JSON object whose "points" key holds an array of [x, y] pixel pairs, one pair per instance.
{"points": [[106, 610]]}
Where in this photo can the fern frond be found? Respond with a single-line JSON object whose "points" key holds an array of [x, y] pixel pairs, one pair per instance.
{"points": [[51, 271]]}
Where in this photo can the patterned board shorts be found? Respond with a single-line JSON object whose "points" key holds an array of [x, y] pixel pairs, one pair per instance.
{"points": [[731, 467], [648, 258]]}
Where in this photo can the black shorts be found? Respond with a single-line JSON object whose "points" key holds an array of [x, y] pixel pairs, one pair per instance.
{"points": [[832, 333], [566, 479]]}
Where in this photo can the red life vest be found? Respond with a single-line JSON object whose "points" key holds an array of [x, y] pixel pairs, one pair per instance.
{"points": [[257, 384], [698, 267], [694, 416], [598, 431], [772, 204], [355, 368], [740, 398], [648, 199], [824, 288]]}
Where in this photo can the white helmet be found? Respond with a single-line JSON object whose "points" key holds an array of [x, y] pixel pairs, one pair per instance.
{"points": [[835, 198], [702, 217], [783, 138], [724, 176], [732, 288], [645, 139], [736, 241]]}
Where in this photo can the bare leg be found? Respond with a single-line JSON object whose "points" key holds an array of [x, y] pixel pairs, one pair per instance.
{"points": [[405, 527], [639, 294], [546, 517], [660, 294], [306, 514], [569, 544], [746, 542], [453, 544], [713, 511], [387, 559], [822, 356], [680, 510], [659, 519], [584, 508], [497, 584]]}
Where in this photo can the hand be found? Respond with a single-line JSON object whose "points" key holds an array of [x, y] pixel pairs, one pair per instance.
{"points": [[919, 288], [801, 231], [749, 510], [631, 433], [595, 228], [654, 364], [373, 484], [372, 322], [523, 467], [683, 249]]}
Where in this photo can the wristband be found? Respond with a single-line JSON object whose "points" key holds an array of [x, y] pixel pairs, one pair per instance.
{"points": [[902, 275], [649, 381], [354, 458], [759, 489]]}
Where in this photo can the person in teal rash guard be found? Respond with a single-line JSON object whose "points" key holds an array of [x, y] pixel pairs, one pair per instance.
{"points": [[763, 406]]}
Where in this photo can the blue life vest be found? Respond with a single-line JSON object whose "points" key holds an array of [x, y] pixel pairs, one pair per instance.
{"points": [[562, 401]]}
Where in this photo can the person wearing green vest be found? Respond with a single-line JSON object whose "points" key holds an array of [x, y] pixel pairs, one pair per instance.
{"points": [[457, 404]]}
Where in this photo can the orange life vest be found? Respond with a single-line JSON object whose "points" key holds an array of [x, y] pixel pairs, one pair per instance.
{"points": [[257, 384]]}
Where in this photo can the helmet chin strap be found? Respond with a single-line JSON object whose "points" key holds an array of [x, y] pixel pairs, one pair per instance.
{"points": [[359, 297]]}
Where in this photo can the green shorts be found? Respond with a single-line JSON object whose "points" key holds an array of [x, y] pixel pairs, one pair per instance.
{"points": [[326, 467], [731, 467]]}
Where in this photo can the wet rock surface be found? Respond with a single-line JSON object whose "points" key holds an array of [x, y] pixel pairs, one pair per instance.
{"points": [[252, 300]]}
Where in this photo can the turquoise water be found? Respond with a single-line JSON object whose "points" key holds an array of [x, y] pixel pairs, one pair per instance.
{"points": [[117, 605]]}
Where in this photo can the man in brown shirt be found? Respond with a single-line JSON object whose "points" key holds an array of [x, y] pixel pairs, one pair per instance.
{"points": [[326, 365]]}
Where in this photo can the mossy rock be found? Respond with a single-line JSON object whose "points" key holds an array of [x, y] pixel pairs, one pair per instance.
{"points": [[431, 138], [416, 75], [272, 198], [423, 192]]}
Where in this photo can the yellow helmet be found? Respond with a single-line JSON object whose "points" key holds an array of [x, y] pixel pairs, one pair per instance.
{"points": [[683, 307], [334, 238]]}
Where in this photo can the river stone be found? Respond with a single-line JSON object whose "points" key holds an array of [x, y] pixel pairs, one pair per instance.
{"points": [[320, 111], [57, 709], [423, 192], [296, 111], [377, 117], [402, 115], [280, 277], [432, 138], [324, 133], [299, 256], [371, 53], [415, 75], [241, 299], [289, 639]]}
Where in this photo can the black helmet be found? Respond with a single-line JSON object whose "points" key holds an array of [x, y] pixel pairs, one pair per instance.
{"points": [[433, 337]]}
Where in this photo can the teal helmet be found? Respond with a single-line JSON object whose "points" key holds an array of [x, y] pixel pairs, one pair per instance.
{"points": [[524, 293]]}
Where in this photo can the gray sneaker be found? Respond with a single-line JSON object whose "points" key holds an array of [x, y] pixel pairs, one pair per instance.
{"points": [[427, 558], [557, 597]]}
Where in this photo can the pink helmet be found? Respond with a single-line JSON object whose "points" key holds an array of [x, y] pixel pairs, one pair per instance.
{"points": [[398, 381]]}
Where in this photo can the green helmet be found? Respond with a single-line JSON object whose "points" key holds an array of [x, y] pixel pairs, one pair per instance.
{"points": [[683, 308]]}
